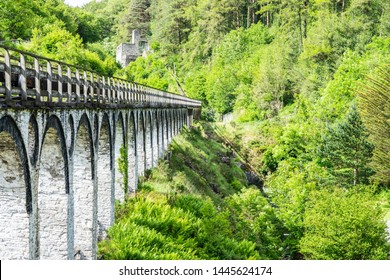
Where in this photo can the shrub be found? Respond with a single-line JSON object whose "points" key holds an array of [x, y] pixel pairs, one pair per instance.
{"points": [[342, 224], [254, 219], [153, 226]]}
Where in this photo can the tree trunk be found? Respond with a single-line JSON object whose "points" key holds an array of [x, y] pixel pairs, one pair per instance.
{"points": [[248, 16], [300, 29], [268, 18]]}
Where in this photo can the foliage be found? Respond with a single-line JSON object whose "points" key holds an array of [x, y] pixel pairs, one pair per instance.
{"points": [[199, 164], [374, 100], [16, 19], [346, 152], [342, 224], [55, 42], [232, 222], [134, 16], [181, 227], [289, 189], [91, 27], [150, 71], [254, 219]]}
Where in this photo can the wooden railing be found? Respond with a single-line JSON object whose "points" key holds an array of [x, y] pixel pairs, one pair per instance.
{"points": [[27, 79]]}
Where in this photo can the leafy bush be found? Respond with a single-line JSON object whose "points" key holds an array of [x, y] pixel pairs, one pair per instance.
{"points": [[343, 224], [254, 219]]}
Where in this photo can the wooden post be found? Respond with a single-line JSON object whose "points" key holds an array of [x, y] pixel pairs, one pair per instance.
{"points": [[59, 82], [49, 82], [23, 80], [77, 86], [7, 76], [69, 84], [37, 81]]}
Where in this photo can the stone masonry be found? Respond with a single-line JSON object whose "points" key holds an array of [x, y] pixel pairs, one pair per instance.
{"points": [[59, 204]]}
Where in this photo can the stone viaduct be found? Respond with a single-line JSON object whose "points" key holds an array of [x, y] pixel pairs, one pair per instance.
{"points": [[71, 144]]}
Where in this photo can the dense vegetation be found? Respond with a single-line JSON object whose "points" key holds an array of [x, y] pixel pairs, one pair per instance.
{"points": [[307, 83], [197, 205]]}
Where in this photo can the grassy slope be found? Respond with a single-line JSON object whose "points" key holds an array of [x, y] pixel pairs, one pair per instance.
{"points": [[194, 206], [199, 164]]}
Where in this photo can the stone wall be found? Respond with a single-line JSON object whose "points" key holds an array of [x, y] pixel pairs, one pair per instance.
{"points": [[104, 204], [83, 195], [52, 200], [14, 219], [59, 175]]}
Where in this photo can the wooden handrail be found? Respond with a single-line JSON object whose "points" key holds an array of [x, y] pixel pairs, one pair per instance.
{"points": [[52, 87]]}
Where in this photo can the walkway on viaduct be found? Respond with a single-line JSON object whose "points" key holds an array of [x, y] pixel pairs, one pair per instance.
{"points": [[63, 133]]}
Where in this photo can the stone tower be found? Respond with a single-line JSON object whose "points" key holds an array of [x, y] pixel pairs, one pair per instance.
{"points": [[127, 52]]}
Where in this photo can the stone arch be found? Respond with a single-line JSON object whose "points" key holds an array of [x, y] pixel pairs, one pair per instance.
{"points": [[181, 119], [173, 121], [15, 193], [105, 203], [132, 153], [178, 120], [55, 123], [53, 193], [83, 190], [141, 144], [185, 117], [120, 142]]}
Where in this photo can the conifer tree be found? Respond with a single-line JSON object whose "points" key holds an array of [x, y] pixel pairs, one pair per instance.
{"points": [[136, 16], [346, 152]]}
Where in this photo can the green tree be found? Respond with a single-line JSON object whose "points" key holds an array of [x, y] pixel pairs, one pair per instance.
{"points": [[344, 225], [136, 16], [171, 25], [92, 28], [54, 41], [149, 71], [53, 11], [346, 151], [17, 19], [254, 219]]}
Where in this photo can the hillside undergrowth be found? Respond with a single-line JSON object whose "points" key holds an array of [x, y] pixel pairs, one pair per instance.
{"points": [[197, 205]]}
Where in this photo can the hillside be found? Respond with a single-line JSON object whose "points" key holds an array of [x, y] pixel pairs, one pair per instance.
{"points": [[307, 86], [197, 205]]}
